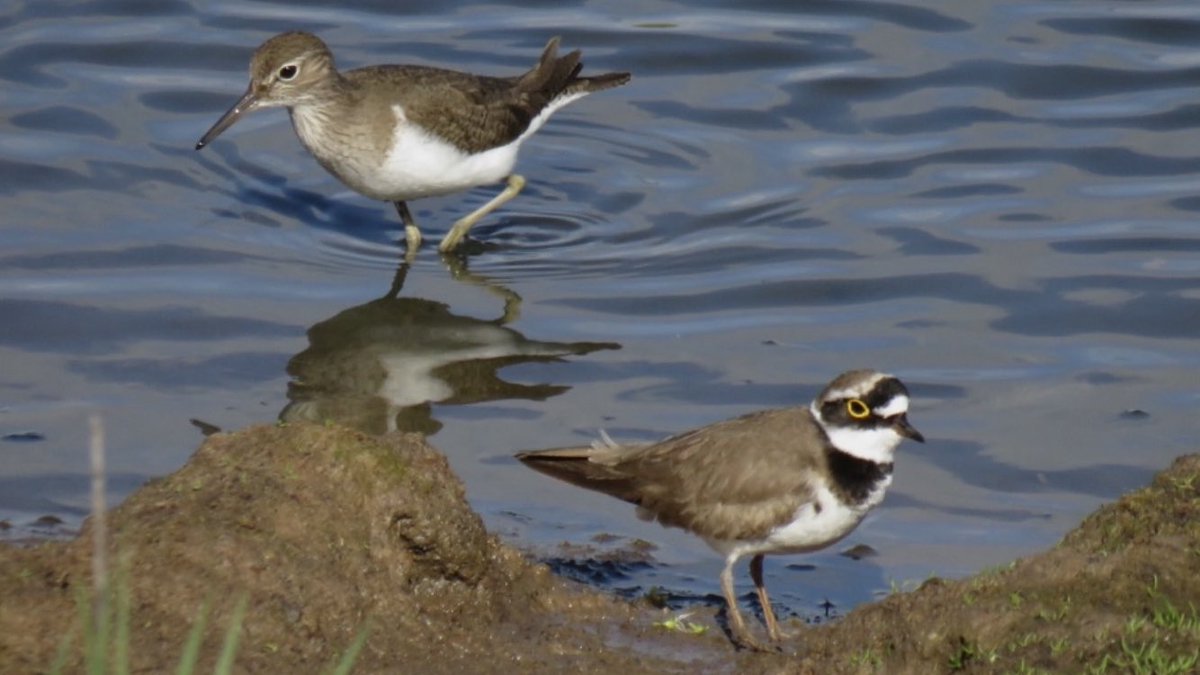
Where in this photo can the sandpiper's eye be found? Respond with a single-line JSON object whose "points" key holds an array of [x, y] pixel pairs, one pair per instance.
{"points": [[288, 72], [857, 409]]}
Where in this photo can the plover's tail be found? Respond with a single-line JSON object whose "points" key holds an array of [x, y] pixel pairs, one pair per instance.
{"points": [[586, 466], [558, 76]]}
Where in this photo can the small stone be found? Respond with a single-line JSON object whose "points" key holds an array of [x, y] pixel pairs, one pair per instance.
{"points": [[859, 551], [206, 428], [23, 437]]}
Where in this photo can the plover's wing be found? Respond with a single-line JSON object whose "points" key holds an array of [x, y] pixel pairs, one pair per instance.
{"points": [[732, 480]]}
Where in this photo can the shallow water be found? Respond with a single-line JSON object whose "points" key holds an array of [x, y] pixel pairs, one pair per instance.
{"points": [[995, 201]]}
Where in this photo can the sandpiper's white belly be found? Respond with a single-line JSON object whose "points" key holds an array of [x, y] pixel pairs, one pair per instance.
{"points": [[419, 164]]}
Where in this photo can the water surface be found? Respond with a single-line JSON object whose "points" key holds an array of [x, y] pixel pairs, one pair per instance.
{"points": [[995, 201]]}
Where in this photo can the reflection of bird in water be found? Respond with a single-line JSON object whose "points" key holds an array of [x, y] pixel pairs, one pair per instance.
{"points": [[380, 366]]}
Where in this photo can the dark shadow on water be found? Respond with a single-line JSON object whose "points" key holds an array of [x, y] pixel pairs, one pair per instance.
{"points": [[1098, 161], [970, 463], [67, 119], [59, 493], [901, 500], [614, 575], [914, 241], [52, 326], [1158, 307], [52, 505], [184, 374], [149, 255]]}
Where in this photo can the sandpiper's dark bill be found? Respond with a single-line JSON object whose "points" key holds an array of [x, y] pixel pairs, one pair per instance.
{"points": [[245, 104], [793, 480], [403, 132]]}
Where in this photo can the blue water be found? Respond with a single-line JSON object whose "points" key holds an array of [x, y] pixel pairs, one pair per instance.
{"points": [[995, 201]]}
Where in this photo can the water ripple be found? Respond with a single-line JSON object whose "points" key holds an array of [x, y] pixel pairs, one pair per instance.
{"points": [[995, 200]]}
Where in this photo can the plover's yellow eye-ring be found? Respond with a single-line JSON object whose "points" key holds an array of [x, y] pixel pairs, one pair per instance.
{"points": [[857, 409]]}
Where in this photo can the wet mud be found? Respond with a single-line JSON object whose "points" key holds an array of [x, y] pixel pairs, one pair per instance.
{"points": [[326, 532]]}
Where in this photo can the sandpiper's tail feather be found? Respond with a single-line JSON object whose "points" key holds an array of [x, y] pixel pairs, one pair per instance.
{"points": [[556, 76], [599, 82]]}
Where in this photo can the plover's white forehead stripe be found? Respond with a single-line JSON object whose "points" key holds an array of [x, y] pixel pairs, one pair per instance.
{"points": [[898, 404], [860, 389]]}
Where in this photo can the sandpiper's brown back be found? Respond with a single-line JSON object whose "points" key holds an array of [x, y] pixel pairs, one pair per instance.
{"points": [[478, 112]]}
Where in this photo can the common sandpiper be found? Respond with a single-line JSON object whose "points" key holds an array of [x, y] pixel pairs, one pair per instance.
{"points": [[402, 132]]}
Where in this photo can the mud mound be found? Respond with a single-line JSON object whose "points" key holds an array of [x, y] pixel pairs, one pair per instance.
{"points": [[323, 530], [1120, 594]]}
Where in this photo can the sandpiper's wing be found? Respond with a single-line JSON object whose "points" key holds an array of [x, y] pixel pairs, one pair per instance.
{"points": [[476, 113]]}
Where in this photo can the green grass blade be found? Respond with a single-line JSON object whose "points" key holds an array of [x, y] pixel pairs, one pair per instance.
{"points": [[346, 663], [232, 635], [191, 648], [64, 651], [121, 638], [83, 610], [93, 638]]}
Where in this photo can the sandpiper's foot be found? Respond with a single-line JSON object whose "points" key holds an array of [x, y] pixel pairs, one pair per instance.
{"points": [[412, 238], [412, 233], [459, 230]]}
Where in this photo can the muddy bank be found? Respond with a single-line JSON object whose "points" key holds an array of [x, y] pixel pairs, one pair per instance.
{"points": [[1120, 594], [325, 530]]}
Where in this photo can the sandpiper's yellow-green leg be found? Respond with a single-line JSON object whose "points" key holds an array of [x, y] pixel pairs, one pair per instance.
{"points": [[412, 233], [463, 225]]}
